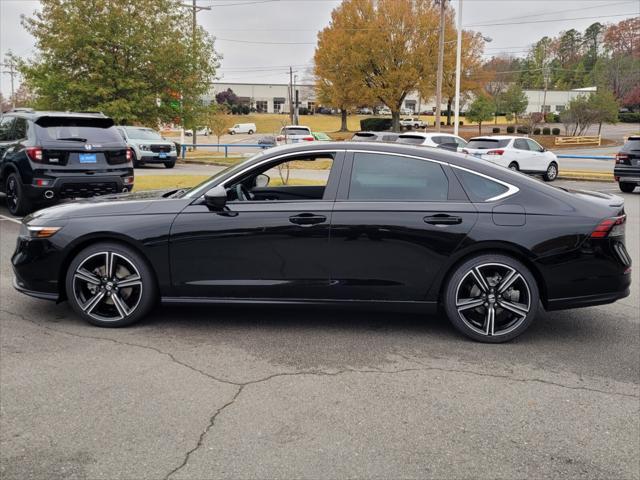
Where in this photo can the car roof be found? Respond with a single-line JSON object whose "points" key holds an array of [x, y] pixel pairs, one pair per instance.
{"points": [[35, 114], [296, 126], [496, 137], [428, 134]]}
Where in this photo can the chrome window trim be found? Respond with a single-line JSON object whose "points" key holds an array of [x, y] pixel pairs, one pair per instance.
{"points": [[398, 155], [512, 189]]}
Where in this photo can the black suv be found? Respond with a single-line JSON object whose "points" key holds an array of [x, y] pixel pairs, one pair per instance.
{"points": [[627, 168], [49, 156]]}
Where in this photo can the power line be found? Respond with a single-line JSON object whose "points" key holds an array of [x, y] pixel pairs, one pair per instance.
{"points": [[235, 40], [550, 20]]}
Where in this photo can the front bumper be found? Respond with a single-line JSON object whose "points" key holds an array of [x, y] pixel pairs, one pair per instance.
{"points": [[36, 265], [155, 157]]}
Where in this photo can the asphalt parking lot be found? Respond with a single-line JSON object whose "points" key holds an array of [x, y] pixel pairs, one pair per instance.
{"points": [[271, 392]]}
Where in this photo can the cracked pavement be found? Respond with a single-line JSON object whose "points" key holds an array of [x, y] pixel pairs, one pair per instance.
{"points": [[272, 392]]}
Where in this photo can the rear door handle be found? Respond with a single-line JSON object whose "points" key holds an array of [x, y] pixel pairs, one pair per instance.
{"points": [[442, 219], [306, 219]]}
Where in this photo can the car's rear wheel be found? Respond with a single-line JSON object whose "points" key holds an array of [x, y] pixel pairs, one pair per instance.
{"points": [[110, 285], [250, 132], [491, 298], [514, 166], [17, 201], [552, 172], [627, 187], [232, 132]]}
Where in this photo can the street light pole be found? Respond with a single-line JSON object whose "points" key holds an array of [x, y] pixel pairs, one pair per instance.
{"points": [[456, 116], [440, 66]]}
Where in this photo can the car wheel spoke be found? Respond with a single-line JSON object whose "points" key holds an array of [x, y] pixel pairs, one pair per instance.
{"points": [[512, 307], [93, 302], [508, 280], [479, 279], [108, 266], [130, 281], [122, 308], [467, 303], [489, 321], [87, 276]]}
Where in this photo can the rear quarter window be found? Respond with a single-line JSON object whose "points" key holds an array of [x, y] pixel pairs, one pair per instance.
{"points": [[479, 188]]}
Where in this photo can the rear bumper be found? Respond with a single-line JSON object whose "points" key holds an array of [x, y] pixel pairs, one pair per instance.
{"points": [[587, 300], [78, 187], [627, 174]]}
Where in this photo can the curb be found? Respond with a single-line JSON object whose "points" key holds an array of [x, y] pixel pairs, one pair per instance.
{"points": [[587, 176]]}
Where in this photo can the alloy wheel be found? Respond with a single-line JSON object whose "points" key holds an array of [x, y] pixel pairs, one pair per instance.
{"points": [[107, 286], [552, 172], [493, 299]]}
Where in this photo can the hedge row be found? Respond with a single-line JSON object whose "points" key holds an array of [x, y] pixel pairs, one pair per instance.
{"points": [[525, 130], [375, 124], [629, 117]]}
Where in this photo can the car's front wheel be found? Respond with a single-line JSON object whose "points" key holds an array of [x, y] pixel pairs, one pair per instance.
{"points": [[626, 187], [491, 298], [110, 285], [552, 172], [170, 164], [17, 201], [514, 166]]}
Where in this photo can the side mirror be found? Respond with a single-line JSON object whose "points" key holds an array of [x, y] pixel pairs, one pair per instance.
{"points": [[216, 198], [262, 180]]}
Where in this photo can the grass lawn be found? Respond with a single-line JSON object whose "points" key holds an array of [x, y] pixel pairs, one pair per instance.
{"points": [[167, 182]]}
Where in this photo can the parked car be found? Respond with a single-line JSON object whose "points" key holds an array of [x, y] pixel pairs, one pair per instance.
{"points": [[201, 131], [249, 128], [364, 111], [148, 146], [517, 153], [433, 139], [321, 136], [390, 225], [374, 137], [267, 141], [413, 122], [294, 134], [406, 111], [384, 111], [627, 167], [49, 156]]}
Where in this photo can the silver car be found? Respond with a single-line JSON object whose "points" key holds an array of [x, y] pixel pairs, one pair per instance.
{"points": [[148, 146]]}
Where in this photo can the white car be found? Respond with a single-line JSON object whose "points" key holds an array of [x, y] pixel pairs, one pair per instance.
{"points": [[413, 122], [200, 131], [294, 134], [249, 128], [517, 153], [148, 146], [446, 141]]}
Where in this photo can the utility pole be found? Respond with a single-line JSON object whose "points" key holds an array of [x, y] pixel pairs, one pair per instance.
{"points": [[12, 73], [291, 95], [546, 77], [195, 8], [440, 66], [296, 119], [456, 117]]}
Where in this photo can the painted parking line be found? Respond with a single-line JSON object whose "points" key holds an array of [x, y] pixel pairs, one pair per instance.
{"points": [[11, 219]]}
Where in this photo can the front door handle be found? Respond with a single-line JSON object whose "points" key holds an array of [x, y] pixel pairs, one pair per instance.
{"points": [[442, 219], [306, 219]]}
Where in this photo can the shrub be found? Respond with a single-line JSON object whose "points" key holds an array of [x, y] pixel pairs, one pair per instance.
{"points": [[551, 117], [546, 131], [442, 124], [511, 129], [496, 130], [523, 130], [629, 117], [460, 123], [555, 131], [536, 131], [375, 124], [303, 111]]}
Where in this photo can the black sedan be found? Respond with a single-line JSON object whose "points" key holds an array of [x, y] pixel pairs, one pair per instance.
{"points": [[380, 224]]}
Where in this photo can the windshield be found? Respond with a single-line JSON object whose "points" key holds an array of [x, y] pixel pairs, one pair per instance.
{"points": [[487, 143], [202, 187], [143, 134]]}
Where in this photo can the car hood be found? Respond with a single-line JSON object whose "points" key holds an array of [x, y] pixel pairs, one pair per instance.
{"points": [[148, 201]]}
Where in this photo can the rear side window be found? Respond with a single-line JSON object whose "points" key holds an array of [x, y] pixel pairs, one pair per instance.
{"points": [[410, 139], [487, 143], [379, 177], [631, 145], [77, 129], [20, 129], [6, 126], [478, 188]]}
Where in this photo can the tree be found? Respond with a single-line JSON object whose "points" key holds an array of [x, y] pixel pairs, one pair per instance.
{"points": [[480, 110], [605, 107], [391, 45], [218, 120], [622, 38], [632, 99], [227, 97], [496, 76], [94, 55], [583, 111], [515, 101]]}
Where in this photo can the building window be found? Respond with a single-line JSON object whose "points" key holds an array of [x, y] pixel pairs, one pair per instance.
{"points": [[546, 108], [559, 108], [261, 106], [312, 106], [278, 105]]}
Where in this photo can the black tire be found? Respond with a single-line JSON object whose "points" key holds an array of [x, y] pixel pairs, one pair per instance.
{"points": [[232, 132], [552, 172], [462, 290], [514, 166], [128, 264], [134, 159], [250, 132], [170, 164], [17, 202], [626, 187]]}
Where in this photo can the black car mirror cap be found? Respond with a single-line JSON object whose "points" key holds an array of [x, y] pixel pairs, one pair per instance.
{"points": [[216, 198]]}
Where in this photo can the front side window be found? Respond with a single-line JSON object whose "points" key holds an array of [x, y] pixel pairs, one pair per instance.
{"points": [[479, 188], [381, 177], [143, 134], [534, 146], [6, 125]]}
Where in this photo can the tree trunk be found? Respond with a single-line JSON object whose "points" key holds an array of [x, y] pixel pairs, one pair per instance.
{"points": [[395, 120], [480, 128], [599, 128], [343, 120], [449, 112]]}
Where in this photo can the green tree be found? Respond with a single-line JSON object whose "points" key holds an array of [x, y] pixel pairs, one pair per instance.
{"points": [[130, 59], [480, 111], [605, 107], [217, 119], [515, 101]]}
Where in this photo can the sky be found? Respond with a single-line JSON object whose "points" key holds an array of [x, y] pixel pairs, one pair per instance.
{"points": [[260, 39]]}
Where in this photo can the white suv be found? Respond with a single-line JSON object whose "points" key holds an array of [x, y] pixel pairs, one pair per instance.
{"points": [[516, 153], [433, 139], [294, 134]]}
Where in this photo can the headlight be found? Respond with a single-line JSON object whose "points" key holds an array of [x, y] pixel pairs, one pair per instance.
{"points": [[39, 232], [144, 147]]}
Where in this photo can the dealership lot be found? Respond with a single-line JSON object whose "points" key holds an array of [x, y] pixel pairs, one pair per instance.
{"points": [[266, 392]]}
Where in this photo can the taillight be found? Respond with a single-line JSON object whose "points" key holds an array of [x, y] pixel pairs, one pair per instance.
{"points": [[495, 152], [35, 154], [622, 158], [129, 155], [279, 138], [308, 139], [610, 227]]}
